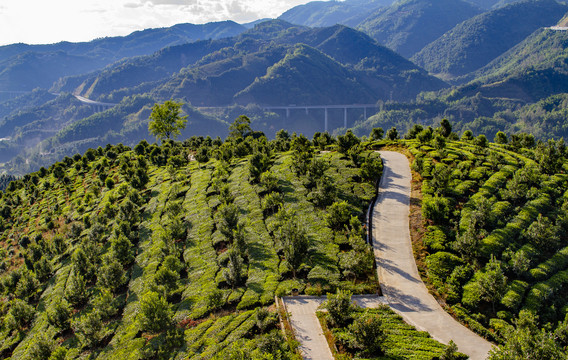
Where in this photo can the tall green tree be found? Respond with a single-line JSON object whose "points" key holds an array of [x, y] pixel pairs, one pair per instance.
{"points": [[165, 120]]}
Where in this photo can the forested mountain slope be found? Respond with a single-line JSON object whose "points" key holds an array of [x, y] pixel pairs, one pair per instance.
{"points": [[276, 63], [543, 50], [225, 63], [409, 25], [477, 41], [26, 67]]}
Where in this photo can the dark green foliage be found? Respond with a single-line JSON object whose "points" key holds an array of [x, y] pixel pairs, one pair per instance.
{"points": [[527, 341], [20, 315], [111, 274], [339, 215], [258, 164], [376, 134], [89, 329], [392, 134], [42, 346], [339, 307], [155, 313], [195, 235], [369, 335], [295, 243], [75, 289], [59, 314], [347, 142]]}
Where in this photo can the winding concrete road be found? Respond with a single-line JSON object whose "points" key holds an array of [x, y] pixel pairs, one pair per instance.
{"points": [[396, 267], [307, 329]]}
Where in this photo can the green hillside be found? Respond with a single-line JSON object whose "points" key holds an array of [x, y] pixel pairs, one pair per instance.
{"points": [[477, 41], [543, 50], [409, 25], [213, 73], [140, 253], [494, 245]]}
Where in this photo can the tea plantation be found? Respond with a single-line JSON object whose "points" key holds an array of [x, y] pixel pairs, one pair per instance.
{"points": [[178, 250]]}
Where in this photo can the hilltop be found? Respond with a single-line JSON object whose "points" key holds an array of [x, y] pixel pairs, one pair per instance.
{"points": [[179, 249]]}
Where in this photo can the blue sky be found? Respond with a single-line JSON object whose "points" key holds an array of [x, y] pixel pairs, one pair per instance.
{"points": [[49, 21]]}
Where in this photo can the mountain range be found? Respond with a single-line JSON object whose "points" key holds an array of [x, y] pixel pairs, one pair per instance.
{"points": [[475, 42], [374, 55]]}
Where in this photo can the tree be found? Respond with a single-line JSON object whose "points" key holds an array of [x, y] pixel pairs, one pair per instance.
{"points": [[240, 128], [445, 128], [376, 134], [228, 217], [467, 135], [295, 243], [369, 333], [339, 307], [347, 141], [450, 352], [500, 138], [258, 164], [392, 133], [543, 234], [233, 274], [59, 313], [111, 275], [42, 346], [492, 283], [20, 315], [165, 120], [75, 289], [155, 313], [527, 342], [104, 303], [88, 329], [339, 215]]}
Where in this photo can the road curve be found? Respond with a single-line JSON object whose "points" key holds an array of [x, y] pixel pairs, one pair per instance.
{"points": [[396, 267]]}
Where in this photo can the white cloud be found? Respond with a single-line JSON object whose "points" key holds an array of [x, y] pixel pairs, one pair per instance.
{"points": [[40, 21]]}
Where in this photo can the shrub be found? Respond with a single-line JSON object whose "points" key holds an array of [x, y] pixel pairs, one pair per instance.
{"points": [[369, 333], [20, 315], [339, 215], [155, 313], [88, 329], [436, 208], [59, 313], [339, 307]]}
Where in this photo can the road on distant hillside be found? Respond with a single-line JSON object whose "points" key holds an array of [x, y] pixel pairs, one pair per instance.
{"points": [[396, 267]]}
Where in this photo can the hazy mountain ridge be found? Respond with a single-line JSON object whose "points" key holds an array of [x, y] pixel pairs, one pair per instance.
{"points": [[77, 58], [329, 13], [477, 41], [409, 25], [346, 46]]}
